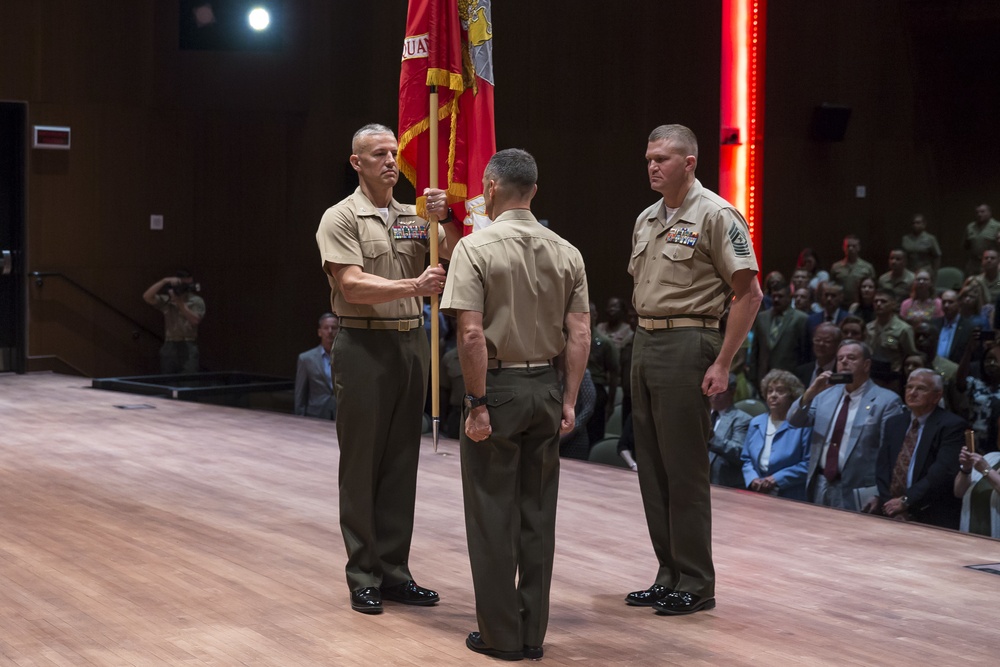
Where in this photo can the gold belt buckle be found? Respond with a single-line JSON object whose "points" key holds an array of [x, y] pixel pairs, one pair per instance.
{"points": [[404, 325]]}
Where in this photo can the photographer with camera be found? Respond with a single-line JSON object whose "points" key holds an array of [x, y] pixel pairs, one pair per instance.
{"points": [[845, 410], [175, 296]]}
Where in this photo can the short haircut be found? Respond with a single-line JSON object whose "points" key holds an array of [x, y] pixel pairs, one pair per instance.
{"points": [[182, 274], [934, 375], [832, 287], [681, 137], [887, 293], [866, 352], [369, 130], [327, 316], [777, 375], [852, 237], [515, 168], [899, 250], [832, 328]]}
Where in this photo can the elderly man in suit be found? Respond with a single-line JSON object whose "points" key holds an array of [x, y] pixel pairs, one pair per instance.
{"points": [[314, 372], [846, 419], [779, 336], [918, 459], [729, 430]]}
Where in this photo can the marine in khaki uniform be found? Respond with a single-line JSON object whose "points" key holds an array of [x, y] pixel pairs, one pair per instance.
{"points": [[889, 337], [850, 271], [519, 292], [980, 235], [374, 250], [691, 253], [182, 312]]}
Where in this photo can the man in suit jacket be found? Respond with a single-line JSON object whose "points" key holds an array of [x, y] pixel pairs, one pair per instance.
{"points": [[842, 461], [954, 330], [313, 375], [825, 341], [833, 299], [729, 430], [779, 336], [918, 459]]}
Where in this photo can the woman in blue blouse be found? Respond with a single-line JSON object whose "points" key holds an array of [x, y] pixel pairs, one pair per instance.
{"points": [[776, 455]]}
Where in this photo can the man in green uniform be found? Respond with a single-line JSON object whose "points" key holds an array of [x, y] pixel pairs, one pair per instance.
{"points": [[980, 235], [373, 250], [183, 311], [851, 270], [691, 253], [889, 336], [519, 292]]}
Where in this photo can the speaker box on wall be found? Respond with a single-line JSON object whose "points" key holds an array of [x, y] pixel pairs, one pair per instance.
{"points": [[829, 122]]}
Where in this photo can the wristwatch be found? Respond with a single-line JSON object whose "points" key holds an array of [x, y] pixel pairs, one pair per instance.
{"points": [[906, 502], [471, 401]]}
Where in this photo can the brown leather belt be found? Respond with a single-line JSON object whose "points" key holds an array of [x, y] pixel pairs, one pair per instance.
{"points": [[377, 323], [493, 364], [675, 322]]}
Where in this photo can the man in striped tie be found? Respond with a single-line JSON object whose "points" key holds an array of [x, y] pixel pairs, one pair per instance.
{"points": [[918, 458]]}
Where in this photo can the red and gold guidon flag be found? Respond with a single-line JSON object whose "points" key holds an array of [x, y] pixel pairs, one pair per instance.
{"points": [[449, 44]]}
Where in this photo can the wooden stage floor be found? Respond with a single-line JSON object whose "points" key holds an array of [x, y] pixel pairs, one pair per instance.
{"points": [[192, 534]]}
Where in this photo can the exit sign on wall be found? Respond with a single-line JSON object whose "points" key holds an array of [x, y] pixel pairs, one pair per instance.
{"points": [[48, 136]]}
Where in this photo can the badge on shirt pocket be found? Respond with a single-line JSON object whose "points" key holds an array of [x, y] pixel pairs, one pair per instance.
{"points": [[414, 230]]}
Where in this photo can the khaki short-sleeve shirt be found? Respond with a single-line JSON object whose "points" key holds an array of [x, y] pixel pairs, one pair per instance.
{"points": [[523, 278], [686, 268], [353, 232]]}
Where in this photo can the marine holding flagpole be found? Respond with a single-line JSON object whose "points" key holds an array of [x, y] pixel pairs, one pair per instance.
{"points": [[374, 252]]}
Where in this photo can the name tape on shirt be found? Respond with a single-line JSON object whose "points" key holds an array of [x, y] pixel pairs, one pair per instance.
{"points": [[683, 236], [409, 230]]}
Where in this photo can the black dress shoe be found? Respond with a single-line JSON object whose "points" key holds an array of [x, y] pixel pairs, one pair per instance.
{"points": [[648, 597], [677, 603], [409, 593], [475, 643], [366, 600], [533, 652]]}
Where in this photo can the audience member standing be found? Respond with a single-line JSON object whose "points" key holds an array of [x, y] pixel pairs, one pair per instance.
{"points": [[846, 421], [809, 261], [604, 367], [990, 276], [954, 329], [779, 337], [615, 326], [921, 304], [898, 278], [183, 311], [890, 338], [849, 271], [833, 298], [864, 307], [314, 395], [980, 235], [922, 249], [825, 342]]}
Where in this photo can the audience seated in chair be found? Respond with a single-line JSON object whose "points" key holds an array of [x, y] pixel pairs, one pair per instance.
{"points": [[776, 454]]}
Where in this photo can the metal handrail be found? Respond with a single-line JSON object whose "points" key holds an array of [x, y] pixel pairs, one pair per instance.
{"points": [[40, 276]]}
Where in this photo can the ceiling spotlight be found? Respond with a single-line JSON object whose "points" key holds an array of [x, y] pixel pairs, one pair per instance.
{"points": [[259, 18]]}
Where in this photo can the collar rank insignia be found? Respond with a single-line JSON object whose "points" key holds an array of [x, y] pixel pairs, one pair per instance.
{"points": [[409, 230], [682, 235]]}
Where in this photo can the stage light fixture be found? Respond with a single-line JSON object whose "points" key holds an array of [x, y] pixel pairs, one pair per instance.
{"points": [[259, 18]]}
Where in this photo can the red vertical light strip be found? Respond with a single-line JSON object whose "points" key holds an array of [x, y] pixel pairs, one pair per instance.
{"points": [[756, 28], [742, 110]]}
